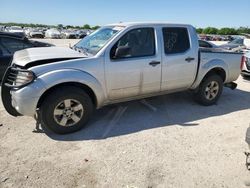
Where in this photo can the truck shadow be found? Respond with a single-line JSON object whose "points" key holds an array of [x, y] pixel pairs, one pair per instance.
{"points": [[168, 110]]}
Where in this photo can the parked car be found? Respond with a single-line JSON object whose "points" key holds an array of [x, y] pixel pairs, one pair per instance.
{"points": [[9, 44], [36, 33], [16, 30], [243, 43], [68, 34], [206, 44], [81, 34], [53, 33], [118, 62], [245, 66]]}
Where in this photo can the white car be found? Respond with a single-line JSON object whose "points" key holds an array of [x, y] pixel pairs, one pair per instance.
{"points": [[36, 33], [16, 30], [53, 33]]}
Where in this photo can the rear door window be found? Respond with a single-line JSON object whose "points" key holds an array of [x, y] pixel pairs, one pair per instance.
{"points": [[176, 40]]}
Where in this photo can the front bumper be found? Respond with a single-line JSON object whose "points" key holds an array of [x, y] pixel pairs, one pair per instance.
{"points": [[25, 100], [21, 101]]}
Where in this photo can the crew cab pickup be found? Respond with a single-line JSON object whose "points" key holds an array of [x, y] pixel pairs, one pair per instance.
{"points": [[118, 62]]}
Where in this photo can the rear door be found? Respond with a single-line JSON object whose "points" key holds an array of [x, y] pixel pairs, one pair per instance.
{"points": [[137, 73], [180, 58]]}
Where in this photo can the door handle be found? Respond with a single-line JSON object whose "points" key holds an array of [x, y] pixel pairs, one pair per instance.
{"points": [[154, 63], [189, 59]]}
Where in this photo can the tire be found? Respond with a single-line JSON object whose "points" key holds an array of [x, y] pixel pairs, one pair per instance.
{"points": [[209, 90], [66, 110]]}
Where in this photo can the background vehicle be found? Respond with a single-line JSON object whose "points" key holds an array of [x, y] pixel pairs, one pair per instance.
{"points": [[116, 63], [53, 33], [10, 43], [68, 34], [243, 43], [16, 30], [245, 66], [36, 33], [206, 44], [81, 34]]}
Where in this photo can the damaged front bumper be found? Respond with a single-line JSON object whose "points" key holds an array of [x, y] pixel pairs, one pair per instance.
{"points": [[21, 101]]}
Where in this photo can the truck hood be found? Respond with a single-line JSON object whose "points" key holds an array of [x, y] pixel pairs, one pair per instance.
{"points": [[38, 56]]}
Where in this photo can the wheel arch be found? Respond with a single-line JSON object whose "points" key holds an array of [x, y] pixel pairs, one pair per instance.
{"points": [[82, 86], [218, 71]]}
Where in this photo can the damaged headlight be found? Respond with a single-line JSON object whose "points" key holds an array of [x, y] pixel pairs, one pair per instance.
{"points": [[18, 77]]}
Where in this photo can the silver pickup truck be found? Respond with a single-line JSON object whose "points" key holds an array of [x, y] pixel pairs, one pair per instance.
{"points": [[119, 62]]}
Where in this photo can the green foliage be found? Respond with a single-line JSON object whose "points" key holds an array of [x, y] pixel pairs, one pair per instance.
{"points": [[227, 31], [86, 26], [199, 30], [210, 30], [224, 31], [96, 27], [60, 26], [244, 30]]}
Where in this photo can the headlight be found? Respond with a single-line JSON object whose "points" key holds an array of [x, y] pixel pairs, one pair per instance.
{"points": [[18, 77], [23, 78]]}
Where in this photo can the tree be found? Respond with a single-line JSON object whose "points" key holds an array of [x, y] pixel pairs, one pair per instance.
{"points": [[243, 30], [60, 26], [95, 27], [199, 30], [210, 30], [227, 31], [69, 26], [86, 26]]}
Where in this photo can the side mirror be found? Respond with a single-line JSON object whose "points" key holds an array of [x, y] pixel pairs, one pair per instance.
{"points": [[122, 51]]}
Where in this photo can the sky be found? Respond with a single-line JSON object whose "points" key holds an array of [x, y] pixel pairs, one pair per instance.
{"points": [[200, 13]]}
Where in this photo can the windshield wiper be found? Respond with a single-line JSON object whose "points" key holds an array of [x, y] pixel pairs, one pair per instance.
{"points": [[80, 49]]}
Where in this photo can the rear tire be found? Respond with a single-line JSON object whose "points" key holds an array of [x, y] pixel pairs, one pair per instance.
{"points": [[209, 90], [66, 110]]}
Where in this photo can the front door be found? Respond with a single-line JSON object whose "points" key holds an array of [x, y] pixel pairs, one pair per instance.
{"points": [[136, 71]]}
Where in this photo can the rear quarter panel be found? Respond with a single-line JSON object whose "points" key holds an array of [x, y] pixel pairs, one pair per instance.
{"points": [[228, 61]]}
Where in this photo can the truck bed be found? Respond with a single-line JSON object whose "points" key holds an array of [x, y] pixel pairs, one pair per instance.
{"points": [[227, 58]]}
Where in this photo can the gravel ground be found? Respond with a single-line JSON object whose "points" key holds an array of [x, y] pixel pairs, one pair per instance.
{"points": [[165, 141]]}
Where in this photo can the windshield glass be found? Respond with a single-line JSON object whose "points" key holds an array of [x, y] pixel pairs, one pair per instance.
{"points": [[237, 41], [93, 43]]}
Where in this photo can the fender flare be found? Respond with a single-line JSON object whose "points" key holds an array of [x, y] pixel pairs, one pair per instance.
{"points": [[56, 77], [207, 67]]}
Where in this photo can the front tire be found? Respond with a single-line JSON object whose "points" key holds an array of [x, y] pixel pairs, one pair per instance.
{"points": [[209, 90], [66, 110]]}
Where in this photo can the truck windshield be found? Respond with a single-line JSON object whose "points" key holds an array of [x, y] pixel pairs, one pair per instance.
{"points": [[93, 43]]}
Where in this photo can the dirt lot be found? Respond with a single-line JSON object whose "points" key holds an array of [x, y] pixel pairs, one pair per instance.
{"points": [[167, 141]]}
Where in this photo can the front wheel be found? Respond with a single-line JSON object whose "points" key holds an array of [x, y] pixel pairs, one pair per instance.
{"points": [[66, 110], [209, 90]]}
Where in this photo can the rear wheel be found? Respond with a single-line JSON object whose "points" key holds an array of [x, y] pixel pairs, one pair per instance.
{"points": [[66, 110], [209, 90]]}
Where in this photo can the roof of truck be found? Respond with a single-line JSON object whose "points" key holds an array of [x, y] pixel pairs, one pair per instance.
{"points": [[126, 24]]}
